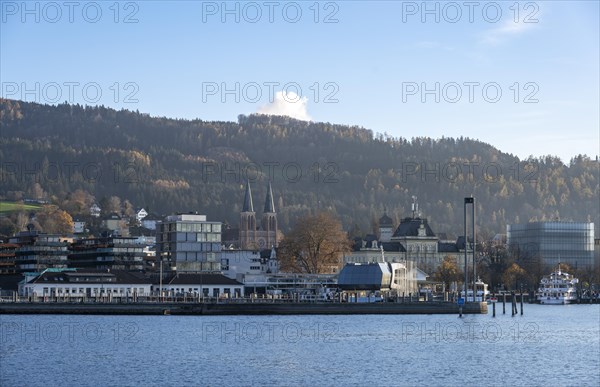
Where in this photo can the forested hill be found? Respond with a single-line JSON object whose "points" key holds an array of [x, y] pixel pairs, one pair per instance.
{"points": [[167, 165]]}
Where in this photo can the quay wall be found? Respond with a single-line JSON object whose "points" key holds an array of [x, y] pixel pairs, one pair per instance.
{"points": [[215, 309]]}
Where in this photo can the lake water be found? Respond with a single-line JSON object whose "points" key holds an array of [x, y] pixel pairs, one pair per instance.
{"points": [[549, 346]]}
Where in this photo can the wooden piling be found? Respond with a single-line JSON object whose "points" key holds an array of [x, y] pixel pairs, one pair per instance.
{"points": [[512, 303], [521, 303]]}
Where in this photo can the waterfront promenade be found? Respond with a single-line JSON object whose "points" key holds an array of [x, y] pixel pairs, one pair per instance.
{"points": [[238, 307]]}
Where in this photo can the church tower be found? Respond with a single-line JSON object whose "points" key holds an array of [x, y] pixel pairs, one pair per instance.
{"points": [[269, 220], [386, 228], [248, 221]]}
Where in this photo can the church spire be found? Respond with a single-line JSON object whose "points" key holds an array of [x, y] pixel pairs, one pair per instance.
{"points": [[269, 203], [248, 205]]}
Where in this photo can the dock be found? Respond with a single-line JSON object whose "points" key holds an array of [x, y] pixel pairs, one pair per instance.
{"points": [[227, 309]]}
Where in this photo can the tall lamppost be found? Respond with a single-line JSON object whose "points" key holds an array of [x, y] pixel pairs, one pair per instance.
{"points": [[469, 200]]}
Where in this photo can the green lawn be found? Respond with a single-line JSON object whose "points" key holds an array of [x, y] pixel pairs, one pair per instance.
{"points": [[12, 207]]}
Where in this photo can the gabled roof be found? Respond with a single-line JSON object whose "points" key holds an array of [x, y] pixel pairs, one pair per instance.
{"points": [[387, 246], [201, 279], [460, 242], [69, 276], [393, 246], [409, 227], [385, 221], [447, 247]]}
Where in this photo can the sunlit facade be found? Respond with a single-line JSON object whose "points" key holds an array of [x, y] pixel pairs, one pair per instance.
{"points": [[554, 242], [189, 243]]}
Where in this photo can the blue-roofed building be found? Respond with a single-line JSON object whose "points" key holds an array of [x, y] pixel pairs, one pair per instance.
{"points": [[383, 276]]}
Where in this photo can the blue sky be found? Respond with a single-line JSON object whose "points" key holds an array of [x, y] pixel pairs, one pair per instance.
{"points": [[372, 61]]}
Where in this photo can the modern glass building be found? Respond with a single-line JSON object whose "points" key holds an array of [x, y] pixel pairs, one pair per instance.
{"points": [[113, 252], [38, 251], [189, 243], [554, 242]]}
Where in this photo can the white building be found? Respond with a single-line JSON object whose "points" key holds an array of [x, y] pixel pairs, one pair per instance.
{"points": [[78, 283], [140, 214], [207, 285], [413, 240], [78, 226], [249, 265], [95, 210]]}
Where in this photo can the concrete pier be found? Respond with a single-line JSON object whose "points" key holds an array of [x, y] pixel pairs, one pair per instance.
{"points": [[214, 309]]}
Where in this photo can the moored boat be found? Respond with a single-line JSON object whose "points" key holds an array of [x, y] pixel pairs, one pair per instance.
{"points": [[558, 288], [482, 292]]}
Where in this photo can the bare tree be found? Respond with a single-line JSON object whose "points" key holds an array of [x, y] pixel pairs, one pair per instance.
{"points": [[315, 245]]}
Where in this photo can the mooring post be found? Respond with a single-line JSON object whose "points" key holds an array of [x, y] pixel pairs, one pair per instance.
{"points": [[512, 303], [521, 302]]}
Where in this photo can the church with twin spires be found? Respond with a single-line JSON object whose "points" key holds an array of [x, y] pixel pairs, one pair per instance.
{"points": [[265, 235]]}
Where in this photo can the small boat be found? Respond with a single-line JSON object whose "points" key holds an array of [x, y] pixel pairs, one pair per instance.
{"points": [[482, 292], [558, 288]]}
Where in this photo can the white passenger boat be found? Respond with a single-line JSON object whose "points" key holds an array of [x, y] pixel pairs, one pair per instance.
{"points": [[557, 288], [481, 295]]}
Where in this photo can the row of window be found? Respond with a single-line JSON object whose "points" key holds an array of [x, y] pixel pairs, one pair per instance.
{"points": [[191, 227], [82, 291], [195, 257]]}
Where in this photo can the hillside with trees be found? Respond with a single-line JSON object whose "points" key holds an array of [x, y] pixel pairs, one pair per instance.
{"points": [[73, 155]]}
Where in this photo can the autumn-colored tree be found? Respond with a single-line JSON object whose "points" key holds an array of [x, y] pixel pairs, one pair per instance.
{"points": [[315, 245], [110, 205], [512, 275], [53, 220], [78, 202], [448, 272], [128, 209]]}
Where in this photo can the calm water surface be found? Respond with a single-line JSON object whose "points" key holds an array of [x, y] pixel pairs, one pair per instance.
{"points": [[549, 346]]}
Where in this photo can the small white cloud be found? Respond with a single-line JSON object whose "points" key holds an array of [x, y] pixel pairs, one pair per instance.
{"points": [[507, 30], [287, 104]]}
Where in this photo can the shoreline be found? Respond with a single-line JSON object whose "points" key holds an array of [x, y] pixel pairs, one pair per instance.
{"points": [[225, 309]]}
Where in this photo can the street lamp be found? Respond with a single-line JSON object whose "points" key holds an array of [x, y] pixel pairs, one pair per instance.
{"points": [[469, 200]]}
